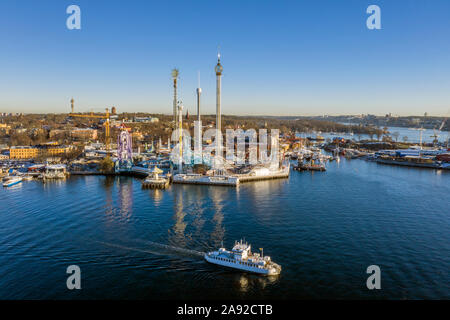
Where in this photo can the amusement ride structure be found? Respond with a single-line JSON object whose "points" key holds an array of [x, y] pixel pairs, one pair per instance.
{"points": [[124, 161]]}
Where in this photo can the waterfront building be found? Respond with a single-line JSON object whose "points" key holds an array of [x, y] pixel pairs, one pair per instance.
{"points": [[23, 152], [31, 152]]}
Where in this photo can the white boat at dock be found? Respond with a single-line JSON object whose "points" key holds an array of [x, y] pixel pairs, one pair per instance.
{"points": [[12, 180], [241, 257], [27, 177]]}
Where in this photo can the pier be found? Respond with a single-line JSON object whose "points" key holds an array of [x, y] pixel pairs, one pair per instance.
{"points": [[155, 184], [229, 180], [278, 175], [206, 180]]}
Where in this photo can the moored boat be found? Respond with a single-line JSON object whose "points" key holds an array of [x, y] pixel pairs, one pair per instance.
{"points": [[13, 180]]}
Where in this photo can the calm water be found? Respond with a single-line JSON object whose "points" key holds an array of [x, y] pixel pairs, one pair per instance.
{"points": [[323, 228], [412, 134]]}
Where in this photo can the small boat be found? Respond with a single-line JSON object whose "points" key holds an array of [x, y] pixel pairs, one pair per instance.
{"points": [[316, 164], [13, 180], [27, 177], [241, 257]]}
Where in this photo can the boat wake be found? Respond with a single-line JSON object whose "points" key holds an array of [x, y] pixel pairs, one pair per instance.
{"points": [[157, 248]]}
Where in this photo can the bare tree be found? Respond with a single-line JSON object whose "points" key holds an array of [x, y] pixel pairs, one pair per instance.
{"points": [[379, 134], [396, 135]]}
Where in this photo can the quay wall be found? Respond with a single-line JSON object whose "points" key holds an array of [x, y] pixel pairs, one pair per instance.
{"points": [[260, 178], [409, 164]]}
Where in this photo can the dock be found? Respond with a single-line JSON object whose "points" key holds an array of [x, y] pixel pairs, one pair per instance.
{"points": [[206, 180], [432, 165], [229, 180], [310, 168], [155, 183], [278, 175]]}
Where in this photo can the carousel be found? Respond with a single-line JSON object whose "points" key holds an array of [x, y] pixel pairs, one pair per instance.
{"points": [[155, 179]]}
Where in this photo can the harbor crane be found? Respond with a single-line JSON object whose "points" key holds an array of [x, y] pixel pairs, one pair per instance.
{"points": [[105, 116], [436, 133]]}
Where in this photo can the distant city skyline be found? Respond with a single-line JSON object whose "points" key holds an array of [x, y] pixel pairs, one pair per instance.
{"points": [[298, 58]]}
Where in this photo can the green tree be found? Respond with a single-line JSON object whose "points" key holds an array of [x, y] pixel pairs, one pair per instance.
{"points": [[73, 153], [107, 165], [20, 139]]}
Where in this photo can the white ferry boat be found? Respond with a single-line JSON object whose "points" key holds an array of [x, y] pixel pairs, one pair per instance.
{"points": [[241, 257]]}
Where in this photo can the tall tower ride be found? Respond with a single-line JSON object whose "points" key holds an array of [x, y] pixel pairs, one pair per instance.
{"points": [[218, 70], [198, 128], [72, 104], [175, 74], [180, 137], [199, 92]]}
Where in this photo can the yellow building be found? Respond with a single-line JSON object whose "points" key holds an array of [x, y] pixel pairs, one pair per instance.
{"points": [[5, 127], [55, 150], [28, 152], [23, 152]]}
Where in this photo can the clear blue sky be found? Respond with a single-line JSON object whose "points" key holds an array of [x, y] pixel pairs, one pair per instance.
{"points": [[279, 57]]}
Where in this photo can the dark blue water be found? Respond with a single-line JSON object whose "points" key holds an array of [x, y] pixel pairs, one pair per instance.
{"points": [[325, 229]]}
